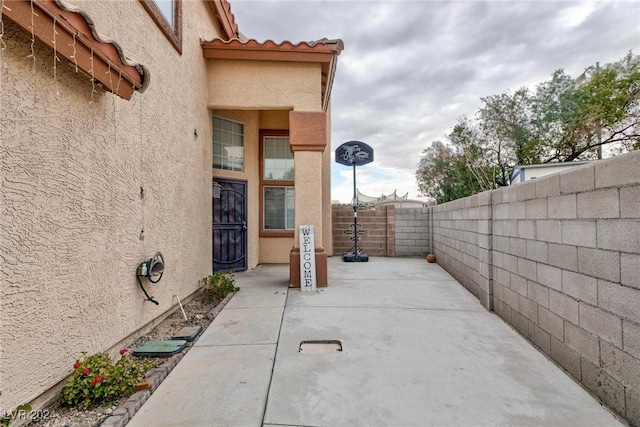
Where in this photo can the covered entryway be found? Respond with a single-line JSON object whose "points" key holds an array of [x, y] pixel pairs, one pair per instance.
{"points": [[282, 91], [229, 225]]}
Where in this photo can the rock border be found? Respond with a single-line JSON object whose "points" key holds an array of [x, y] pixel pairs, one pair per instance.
{"points": [[121, 416]]}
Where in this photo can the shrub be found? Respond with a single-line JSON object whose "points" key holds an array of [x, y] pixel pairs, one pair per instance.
{"points": [[98, 381], [217, 286]]}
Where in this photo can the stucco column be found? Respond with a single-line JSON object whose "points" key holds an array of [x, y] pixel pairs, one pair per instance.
{"points": [[308, 140]]}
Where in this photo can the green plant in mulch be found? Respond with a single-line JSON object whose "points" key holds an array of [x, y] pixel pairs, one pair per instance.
{"points": [[217, 286], [98, 381]]}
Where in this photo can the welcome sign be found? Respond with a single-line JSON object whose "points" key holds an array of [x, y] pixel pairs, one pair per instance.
{"points": [[307, 258]]}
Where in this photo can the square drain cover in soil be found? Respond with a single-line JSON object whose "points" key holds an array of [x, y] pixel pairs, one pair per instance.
{"points": [[160, 348], [320, 346], [188, 333]]}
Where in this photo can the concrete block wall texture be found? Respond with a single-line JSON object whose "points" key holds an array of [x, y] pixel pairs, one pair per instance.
{"points": [[563, 260], [390, 231], [413, 235], [378, 225], [462, 240]]}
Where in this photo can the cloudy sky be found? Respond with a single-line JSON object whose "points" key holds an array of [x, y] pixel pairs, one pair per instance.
{"points": [[411, 68]]}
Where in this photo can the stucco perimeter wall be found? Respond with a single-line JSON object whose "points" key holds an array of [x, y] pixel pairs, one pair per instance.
{"points": [[91, 186], [564, 256]]}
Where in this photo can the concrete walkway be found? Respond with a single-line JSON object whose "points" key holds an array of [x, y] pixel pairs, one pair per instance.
{"points": [[418, 350]]}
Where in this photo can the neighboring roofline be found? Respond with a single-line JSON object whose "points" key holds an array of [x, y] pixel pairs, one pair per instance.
{"points": [[514, 174], [517, 168], [324, 52], [72, 34]]}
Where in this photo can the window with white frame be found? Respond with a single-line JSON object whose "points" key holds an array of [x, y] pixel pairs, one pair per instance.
{"points": [[278, 159], [277, 184], [278, 208], [228, 144]]}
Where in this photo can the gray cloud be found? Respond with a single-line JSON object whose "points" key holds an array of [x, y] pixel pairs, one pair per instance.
{"points": [[410, 68]]}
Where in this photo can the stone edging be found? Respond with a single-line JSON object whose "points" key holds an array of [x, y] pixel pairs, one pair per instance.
{"points": [[125, 411]]}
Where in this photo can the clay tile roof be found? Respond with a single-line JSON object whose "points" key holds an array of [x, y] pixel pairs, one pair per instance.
{"points": [[72, 34], [322, 50], [100, 39], [227, 20]]}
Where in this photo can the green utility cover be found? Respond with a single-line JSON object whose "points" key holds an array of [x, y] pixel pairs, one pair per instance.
{"points": [[160, 348], [188, 333]]}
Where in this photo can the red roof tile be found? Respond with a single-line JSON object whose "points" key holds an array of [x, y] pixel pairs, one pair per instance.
{"points": [[72, 33], [317, 51]]}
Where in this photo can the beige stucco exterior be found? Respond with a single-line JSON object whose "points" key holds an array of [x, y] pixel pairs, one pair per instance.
{"points": [[260, 95], [83, 174], [247, 84], [93, 184]]}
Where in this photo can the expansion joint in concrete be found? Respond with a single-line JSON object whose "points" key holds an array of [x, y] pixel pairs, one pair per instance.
{"points": [[275, 356]]}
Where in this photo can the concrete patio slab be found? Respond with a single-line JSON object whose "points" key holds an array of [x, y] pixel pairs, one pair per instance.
{"points": [[212, 386], [418, 350], [410, 367], [263, 296], [383, 292], [263, 276], [243, 326]]}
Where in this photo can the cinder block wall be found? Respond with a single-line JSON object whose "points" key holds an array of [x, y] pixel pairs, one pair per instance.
{"points": [[378, 225], [559, 259], [461, 242], [413, 237]]}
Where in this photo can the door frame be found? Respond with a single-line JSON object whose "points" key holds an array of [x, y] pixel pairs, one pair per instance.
{"points": [[245, 238]]}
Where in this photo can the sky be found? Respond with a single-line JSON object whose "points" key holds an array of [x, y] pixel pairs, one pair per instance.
{"points": [[410, 69]]}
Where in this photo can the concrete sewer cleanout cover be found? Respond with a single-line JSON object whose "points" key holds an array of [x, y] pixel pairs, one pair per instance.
{"points": [[188, 333], [160, 348], [320, 346]]}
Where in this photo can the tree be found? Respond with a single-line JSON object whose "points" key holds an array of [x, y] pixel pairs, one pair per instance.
{"points": [[605, 110], [563, 119], [444, 175]]}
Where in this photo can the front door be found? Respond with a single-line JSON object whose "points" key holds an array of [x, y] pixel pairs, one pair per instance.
{"points": [[229, 225]]}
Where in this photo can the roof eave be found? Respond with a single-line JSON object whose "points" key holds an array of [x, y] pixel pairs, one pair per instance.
{"points": [[324, 52], [226, 19], [72, 34]]}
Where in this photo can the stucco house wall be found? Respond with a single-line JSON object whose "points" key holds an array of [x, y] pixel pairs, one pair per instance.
{"points": [[264, 85], [91, 186]]}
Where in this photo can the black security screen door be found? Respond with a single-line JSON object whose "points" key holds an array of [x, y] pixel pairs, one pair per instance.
{"points": [[229, 225]]}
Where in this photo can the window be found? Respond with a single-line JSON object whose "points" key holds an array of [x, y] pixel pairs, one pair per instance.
{"points": [[278, 208], [277, 185], [278, 159], [166, 7], [228, 144], [167, 14]]}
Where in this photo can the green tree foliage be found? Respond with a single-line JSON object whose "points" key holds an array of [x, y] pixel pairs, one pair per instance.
{"points": [[444, 174], [562, 120]]}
